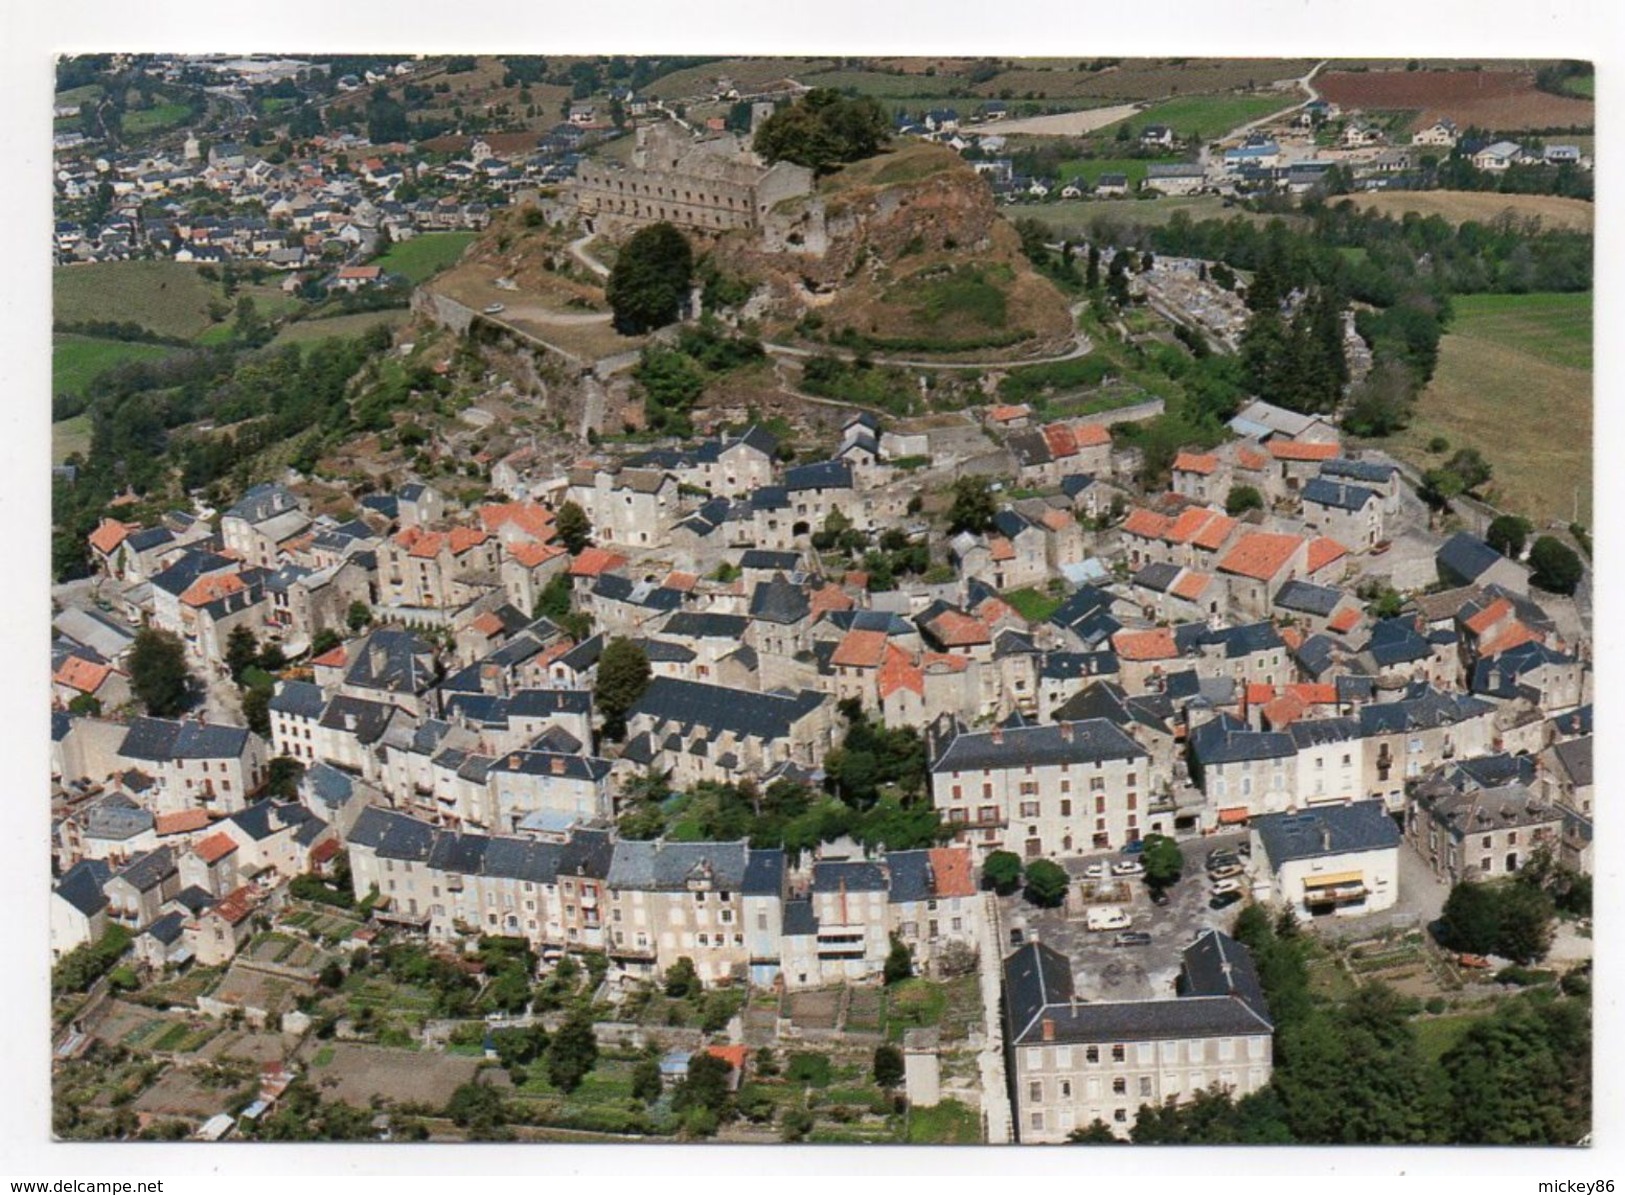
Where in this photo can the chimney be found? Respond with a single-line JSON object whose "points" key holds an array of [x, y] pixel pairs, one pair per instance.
{"points": [[558, 766], [998, 736], [1049, 1029], [1066, 732], [349, 721], [513, 761], [1325, 837]]}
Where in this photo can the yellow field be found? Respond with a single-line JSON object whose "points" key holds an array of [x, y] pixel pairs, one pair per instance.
{"points": [[1458, 207]]}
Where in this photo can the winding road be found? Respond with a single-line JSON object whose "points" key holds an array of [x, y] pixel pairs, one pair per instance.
{"points": [[1307, 82]]}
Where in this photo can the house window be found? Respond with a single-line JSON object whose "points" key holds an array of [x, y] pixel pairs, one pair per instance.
{"points": [[1145, 1087], [1117, 1053], [1119, 1086], [1035, 1091], [1066, 1089], [1091, 1054], [1120, 1116], [1066, 808]]}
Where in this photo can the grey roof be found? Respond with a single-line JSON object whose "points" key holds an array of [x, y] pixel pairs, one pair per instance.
{"points": [[1499, 676], [1465, 558], [1074, 665], [547, 763], [1158, 576], [167, 929], [1506, 807], [161, 740], [777, 600], [94, 630], [264, 502], [690, 703], [1397, 641], [673, 866], [1225, 739], [909, 873], [81, 885], [1492, 771], [1109, 701], [1237, 641], [688, 624], [367, 720], [1218, 965], [541, 703], [1029, 447], [1367, 471], [301, 699], [1575, 756], [849, 877], [1303, 598], [1339, 495], [193, 899], [328, 785], [1422, 708], [1313, 732], [799, 919], [764, 873], [117, 818], [182, 573], [392, 835], [265, 818], [148, 870], [1072, 742], [1326, 830], [394, 660]]}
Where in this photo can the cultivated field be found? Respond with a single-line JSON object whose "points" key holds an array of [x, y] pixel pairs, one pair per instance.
{"points": [[1092, 168], [1208, 116], [167, 297], [405, 1076], [68, 437], [1067, 124], [1074, 217], [1553, 211], [77, 360], [1514, 380], [1145, 78], [1505, 101], [747, 73]]}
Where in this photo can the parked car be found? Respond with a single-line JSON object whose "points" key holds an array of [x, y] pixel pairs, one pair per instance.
{"points": [[1130, 867], [1221, 859], [1105, 917], [1159, 897], [1135, 847], [1226, 885], [1132, 937], [1245, 846], [1223, 900], [1476, 961], [1095, 871], [1225, 873], [494, 308]]}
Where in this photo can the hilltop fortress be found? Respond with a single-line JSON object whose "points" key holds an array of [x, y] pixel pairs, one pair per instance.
{"points": [[712, 185]]}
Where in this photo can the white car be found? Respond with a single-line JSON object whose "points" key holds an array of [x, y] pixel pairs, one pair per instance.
{"points": [[1107, 917], [1095, 871], [1129, 867], [1225, 873], [1220, 887], [494, 308]]}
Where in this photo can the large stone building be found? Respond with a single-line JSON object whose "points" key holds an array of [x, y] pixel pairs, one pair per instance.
{"points": [[712, 185], [1071, 1062]]}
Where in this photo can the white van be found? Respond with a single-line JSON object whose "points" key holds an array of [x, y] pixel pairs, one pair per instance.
{"points": [[1105, 917]]}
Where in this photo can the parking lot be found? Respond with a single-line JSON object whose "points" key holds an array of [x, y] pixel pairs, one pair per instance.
{"points": [[1102, 971]]}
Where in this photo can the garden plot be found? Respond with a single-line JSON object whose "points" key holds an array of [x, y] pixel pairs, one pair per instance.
{"points": [[358, 1073]]}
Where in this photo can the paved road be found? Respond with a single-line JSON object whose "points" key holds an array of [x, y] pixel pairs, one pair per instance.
{"points": [[578, 250], [1307, 83]]}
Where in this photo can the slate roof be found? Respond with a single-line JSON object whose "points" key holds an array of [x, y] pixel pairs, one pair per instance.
{"points": [[547, 763], [167, 929], [1339, 495], [1465, 558], [821, 475], [81, 885], [1422, 708], [908, 876], [670, 866], [160, 740], [1225, 739], [799, 920], [265, 818], [263, 502], [1243, 640], [148, 870], [301, 699], [764, 873], [393, 660], [1073, 665], [1157, 577], [1492, 771], [1314, 732], [367, 720], [690, 703], [180, 576], [688, 624], [1351, 470], [1396, 641], [1575, 756], [761, 558], [392, 835], [1074, 742], [1326, 830], [1303, 598], [779, 601], [849, 877]]}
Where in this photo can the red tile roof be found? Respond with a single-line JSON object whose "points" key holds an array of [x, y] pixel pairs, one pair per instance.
{"points": [[1001, 548], [235, 906], [1311, 694], [212, 588], [1147, 524], [428, 544], [1191, 586], [215, 847], [959, 630], [533, 554], [1514, 636], [1214, 532], [1156, 644], [594, 561], [1282, 712], [531, 518], [1324, 551], [1092, 435], [83, 675], [184, 822], [488, 624], [1260, 555], [860, 649], [829, 598], [734, 1056], [336, 658], [683, 582], [1292, 637], [1189, 524], [1058, 520], [1008, 413], [1248, 459], [1062, 441], [899, 672], [110, 533], [1292, 450], [1258, 694], [1488, 616], [1344, 621], [1195, 462], [952, 871]]}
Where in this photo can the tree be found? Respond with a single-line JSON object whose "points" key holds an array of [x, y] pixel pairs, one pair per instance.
{"points": [[1163, 861], [1469, 465], [476, 1107], [283, 776], [1525, 931], [705, 1086], [1001, 871], [272, 658], [646, 1084], [242, 649], [257, 710], [1241, 499], [158, 675], [682, 980], [1556, 567], [888, 1066], [822, 130], [1091, 273], [972, 508], [1507, 535], [573, 1052], [324, 641], [574, 528], [1098, 1133], [1381, 403], [649, 283], [899, 962], [1047, 883], [1471, 919], [623, 675], [359, 616]]}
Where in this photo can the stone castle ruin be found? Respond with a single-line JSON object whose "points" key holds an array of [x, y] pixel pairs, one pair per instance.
{"points": [[711, 185]]}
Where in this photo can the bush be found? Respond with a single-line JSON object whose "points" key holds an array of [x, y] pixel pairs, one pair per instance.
{"points": [[1524, 977], [1001, 871], [1555, 566], [1046, 883], [809, 1069], [1437, 1004]]}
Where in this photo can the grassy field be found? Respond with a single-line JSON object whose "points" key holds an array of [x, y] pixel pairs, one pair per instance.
{"points": [[68, 437], [1072, 217], [79, 95], [76, 360], [1436, 1035], [1458, 207], [1582, 85], [948, 1123], [155, 118], [1209, 116], [313, 330], [1514, 380], [1031, 605], [424, 256], [1093, 168], [167, 297]]}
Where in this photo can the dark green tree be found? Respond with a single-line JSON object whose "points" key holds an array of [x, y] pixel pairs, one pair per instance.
{"points": [[646, 1084], [623, 675], [1241, 499], [1555, 566], [682, 980], [1047, 883], [1526, 916], [158, 676], [1471, 919], [888, 1067], [705, 1085], [1001, 871], [573, 1052], [899, 962], [1508, 534], [823, 130], [649, 282], [257, 710], [1163, 860], [242, 650], [972, 508], [1098, 1132], [359, 617], [574, 530]]}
